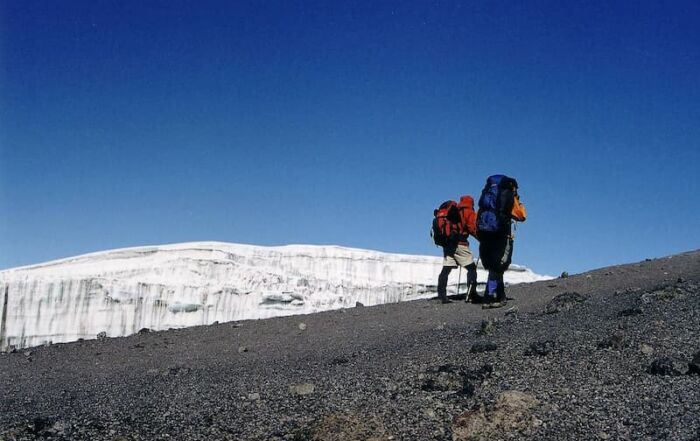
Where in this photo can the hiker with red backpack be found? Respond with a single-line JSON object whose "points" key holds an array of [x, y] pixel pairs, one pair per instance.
{"points": [[499, 206], [452, 224]]}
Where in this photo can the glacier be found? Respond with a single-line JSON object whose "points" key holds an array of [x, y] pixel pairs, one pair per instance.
{"points": [[119, 292]]}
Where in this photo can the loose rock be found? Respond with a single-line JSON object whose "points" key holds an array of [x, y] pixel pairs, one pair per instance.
{"points": [[487, 327], [629, 312], [540, 348], [667, 366], [694, 365], [614, 341], [511, 414], [564, 302], [302, 389], [483, 346]]}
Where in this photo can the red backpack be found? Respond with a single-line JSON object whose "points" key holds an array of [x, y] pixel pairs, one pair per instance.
{"points": [[446, 223]]}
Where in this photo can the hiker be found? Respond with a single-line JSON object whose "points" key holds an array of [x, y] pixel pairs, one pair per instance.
{"points": [[454, 223], [499, 205]]}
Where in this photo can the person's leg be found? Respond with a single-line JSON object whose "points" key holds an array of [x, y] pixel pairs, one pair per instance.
{"points": [[491, 287], [506, 245], [442, 283], [501, 289], [471, 281], [464, 259]]}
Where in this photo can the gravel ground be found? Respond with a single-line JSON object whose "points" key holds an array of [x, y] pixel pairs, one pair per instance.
{"points": [[610, 354]]}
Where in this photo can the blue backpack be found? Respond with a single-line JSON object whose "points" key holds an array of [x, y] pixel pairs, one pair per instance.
{"points": [[495, 204]]}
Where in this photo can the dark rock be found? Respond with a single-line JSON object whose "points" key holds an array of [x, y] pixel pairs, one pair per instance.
{"points": [[144, 331], [451, 368], [564, 275], [564, 302], [483, 346], [480, 374], [359, 305], [443, 381], [629, 312], [694, 365], [666, 366], [176, 371], [39, 426], [340, 360], [614, 341], [102, 335], [451, 378], [540, 348]]}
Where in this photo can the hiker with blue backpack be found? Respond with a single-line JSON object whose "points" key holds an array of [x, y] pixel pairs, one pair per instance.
{"points": [[452, 224], [499, 206]]}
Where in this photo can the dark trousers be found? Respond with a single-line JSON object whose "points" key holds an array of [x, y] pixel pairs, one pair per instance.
{"points": [[496, 252], [445, 273]]}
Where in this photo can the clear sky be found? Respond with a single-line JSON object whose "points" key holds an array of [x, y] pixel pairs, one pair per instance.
{"points": [[323, 122]]}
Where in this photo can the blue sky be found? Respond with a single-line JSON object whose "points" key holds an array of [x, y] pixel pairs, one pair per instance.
{"points": [[275, 122]]}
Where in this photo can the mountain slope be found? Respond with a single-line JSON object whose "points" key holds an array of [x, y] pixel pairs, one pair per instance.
{"points": [[609, 354], [122, 291]]}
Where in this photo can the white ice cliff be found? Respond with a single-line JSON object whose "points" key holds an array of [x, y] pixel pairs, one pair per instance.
{"points": [[122, 291]]}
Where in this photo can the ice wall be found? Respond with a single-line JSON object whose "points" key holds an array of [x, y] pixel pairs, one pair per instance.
{"points": [[122, 291]]}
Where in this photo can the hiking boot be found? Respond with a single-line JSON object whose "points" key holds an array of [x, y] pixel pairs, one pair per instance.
{"points": [[496, 304]]}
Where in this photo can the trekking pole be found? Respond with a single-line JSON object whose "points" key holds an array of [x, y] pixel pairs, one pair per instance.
{"points": [[459, 279]]}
